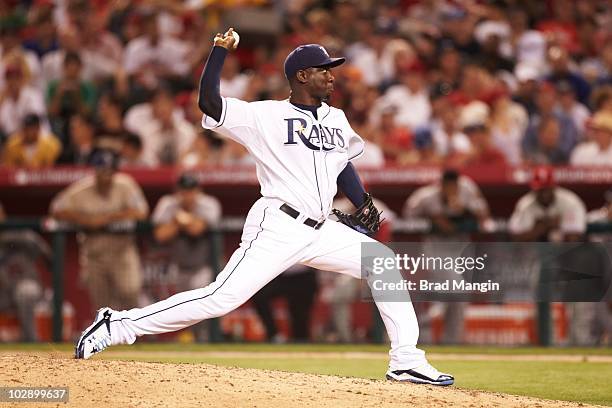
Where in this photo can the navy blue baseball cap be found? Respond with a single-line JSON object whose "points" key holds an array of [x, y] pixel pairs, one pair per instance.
{"points": [[104, 159], [309, 56], [187, 181]]}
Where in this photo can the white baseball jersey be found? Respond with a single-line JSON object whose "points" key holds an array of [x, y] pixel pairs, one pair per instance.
{"points": [[567, 206], [298, 157]]}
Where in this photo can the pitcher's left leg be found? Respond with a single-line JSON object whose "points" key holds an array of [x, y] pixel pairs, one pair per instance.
{"points": [[338, 249]]}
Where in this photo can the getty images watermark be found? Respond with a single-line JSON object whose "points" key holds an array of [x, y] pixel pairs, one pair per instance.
{"points": [[459, 271], [410, 264]]}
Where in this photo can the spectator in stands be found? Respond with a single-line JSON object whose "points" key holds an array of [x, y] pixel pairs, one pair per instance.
{"points": [[447, 137], [12, 50], [154, 57], [448, 73], [528, 45], [508, 125], [365, 53], [31, 147], [110, 115], [69, 95], [548, 212], [559, 61], [395, 140], [82, 140], [102, 49], [493, 35], [458, 28], [45, 38], [571, 108], [561, 28], [20, 285], [131, 151], [100, 66], [233, 83], [164, 132], [373, 155], [205, 150], [474, 121], [424, 148], [475, 85], [526, 87], [602, 99], [598, 150], [97, 204], [182, 221], [548, 148], [18, 99], [606, 59], [450, 205], [550, 135], [53, 61], [410, 99]]}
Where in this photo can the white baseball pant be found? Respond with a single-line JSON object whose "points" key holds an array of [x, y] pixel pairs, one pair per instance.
{"points": [[272, 241]]}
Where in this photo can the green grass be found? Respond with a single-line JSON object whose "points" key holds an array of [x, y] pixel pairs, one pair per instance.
{"points": [[572, 381], [332, 348]]}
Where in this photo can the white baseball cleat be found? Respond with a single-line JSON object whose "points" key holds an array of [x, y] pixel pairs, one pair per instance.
{"points": [[96, 337], [423, 374]]}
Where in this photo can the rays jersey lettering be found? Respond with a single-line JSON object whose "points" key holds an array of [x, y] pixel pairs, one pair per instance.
{"points": [[317, 137], [297, 156]]}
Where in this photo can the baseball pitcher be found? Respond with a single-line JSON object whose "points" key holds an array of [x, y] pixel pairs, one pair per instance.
{"points": [[303, 150]]}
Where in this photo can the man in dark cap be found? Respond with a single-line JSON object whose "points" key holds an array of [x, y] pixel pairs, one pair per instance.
{"points": [[110, 264], [181, 221], [303, 149], [31, 147]]}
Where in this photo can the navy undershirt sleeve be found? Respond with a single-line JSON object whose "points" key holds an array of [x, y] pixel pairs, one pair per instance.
{"points": [[350, 184], [209, 99]]}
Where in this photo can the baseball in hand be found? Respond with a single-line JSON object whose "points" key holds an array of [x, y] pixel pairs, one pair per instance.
{"points": [[236, 39]]}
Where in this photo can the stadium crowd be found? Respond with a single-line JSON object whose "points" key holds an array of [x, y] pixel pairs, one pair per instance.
{"points": [[450, 82]]}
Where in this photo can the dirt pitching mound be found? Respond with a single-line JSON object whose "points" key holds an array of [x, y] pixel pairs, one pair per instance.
{"points": [[109, 384]]}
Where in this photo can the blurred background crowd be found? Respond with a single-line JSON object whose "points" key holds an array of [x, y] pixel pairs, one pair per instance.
{"points": [[453, 82], [456, 84]]}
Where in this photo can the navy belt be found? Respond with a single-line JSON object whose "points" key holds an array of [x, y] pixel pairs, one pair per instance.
{"points": [[292, 212]]}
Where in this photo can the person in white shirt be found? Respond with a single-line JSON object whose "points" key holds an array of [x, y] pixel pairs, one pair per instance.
{"points": [[18, 99], [166, 135], [98, 63], [547, 212], [552, 213], [448, 203], [152, 57], [410, 97], [233, 83], [181, 222], [366, 54], [597, 151], [508, 125], [445, 132]]}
